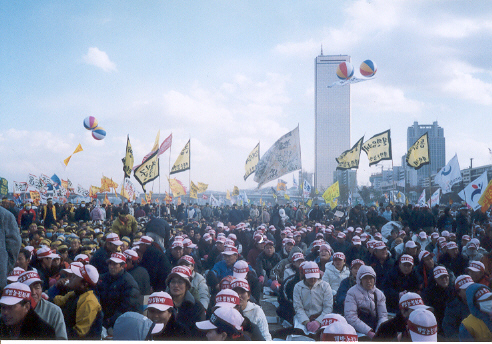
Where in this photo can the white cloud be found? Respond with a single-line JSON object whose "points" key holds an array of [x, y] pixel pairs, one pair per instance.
{"points": [[99, 59]]}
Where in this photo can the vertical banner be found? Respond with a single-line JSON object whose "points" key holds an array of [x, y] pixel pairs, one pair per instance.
{"points": [[193, 191], [418, 155], [128, 160], [252, 161], [183, 161]]}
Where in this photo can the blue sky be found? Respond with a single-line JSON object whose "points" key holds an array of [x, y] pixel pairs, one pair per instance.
{"points": [[230, 74]]}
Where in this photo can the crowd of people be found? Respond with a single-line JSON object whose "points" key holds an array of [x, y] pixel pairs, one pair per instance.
{"points": [[165, 272]]}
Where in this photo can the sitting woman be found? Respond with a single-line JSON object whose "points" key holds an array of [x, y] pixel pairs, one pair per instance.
{"points": [[224, 324], [161, 311], [188, 310], [336, 271], [345, 285], [365, 305], [249, 309]]}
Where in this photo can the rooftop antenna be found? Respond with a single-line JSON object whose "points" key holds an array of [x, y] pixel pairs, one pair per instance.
{"points": [[321, 49]]}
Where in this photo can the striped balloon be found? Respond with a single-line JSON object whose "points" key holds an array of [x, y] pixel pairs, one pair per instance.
{"points": [[368, 68], [99, 133], [90, 123], [345, 70]]}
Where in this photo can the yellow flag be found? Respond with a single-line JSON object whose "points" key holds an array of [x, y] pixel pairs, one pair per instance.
{"points": [[106, 200], [156, 143], [378, 147], [193, 190], [35, 196], [183, 161], [124, 193], [148, 197], [78, 149], [143, 202], [202, 187], [309, 202], [179, 200], [331, 193], [350, 158], [287, 197], [235, 191], [418, 154], [128, 160], [176, 188], [67, 160], [228, 195], [148, 171]]}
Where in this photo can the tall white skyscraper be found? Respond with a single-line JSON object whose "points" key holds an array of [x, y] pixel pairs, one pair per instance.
{"points": [[331, 118]]}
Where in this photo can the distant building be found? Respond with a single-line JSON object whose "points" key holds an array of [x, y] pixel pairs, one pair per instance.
{"points": [[348, 178], [437, 148], [331, 119]]}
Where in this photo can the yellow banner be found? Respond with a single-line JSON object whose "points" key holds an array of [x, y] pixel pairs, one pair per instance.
{"points": [[148, 171], [202, 187], [36, 197], [183, 161], [235, 191], [378, 147], [486, 199], [78, 149], [67, 160], [252, 161], [228, 195], [176, 188], [331, 193], [148, 197], [106, 200], [309, 202], [350, 158], [128, 160], [418, 154], [193, 190], [287, 197]]}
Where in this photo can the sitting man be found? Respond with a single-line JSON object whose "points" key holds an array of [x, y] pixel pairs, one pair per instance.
{"points": [[46, 310], [18, 320], [81, 308], [118, 291]]}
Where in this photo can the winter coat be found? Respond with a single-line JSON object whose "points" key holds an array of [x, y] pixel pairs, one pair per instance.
{"points": [[189, 313], [174, 330], [199, 289], [335, 277], [82, 313], [256, 315], [265, 265], [53, 315], [33, 327], [358, 299], [344, 287], [381, 269], [10, 243], [158, 267], [456, 311], [388, 330], [456, 265], [478, 325], [118, 295], [314, 302], [396, 282], [141, 276], [99, 259], [437, 298], [279, 269]]}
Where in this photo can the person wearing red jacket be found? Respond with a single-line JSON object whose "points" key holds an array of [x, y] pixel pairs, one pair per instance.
{"points": [[26, 216]]}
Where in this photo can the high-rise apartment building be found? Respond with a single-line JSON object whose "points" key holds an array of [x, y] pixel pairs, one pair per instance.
{"points": [[331, 118], [437, 148]]}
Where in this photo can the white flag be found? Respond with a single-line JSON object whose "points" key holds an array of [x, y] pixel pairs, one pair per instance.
{"points": [[281, 158], [213, 201], [421, 201], [435, 198], [306, 188], [350, 198], [473, 191], [449, 175]]}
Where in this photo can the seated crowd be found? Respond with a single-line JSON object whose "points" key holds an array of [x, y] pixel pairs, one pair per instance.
{"points": [[335, 278]]}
